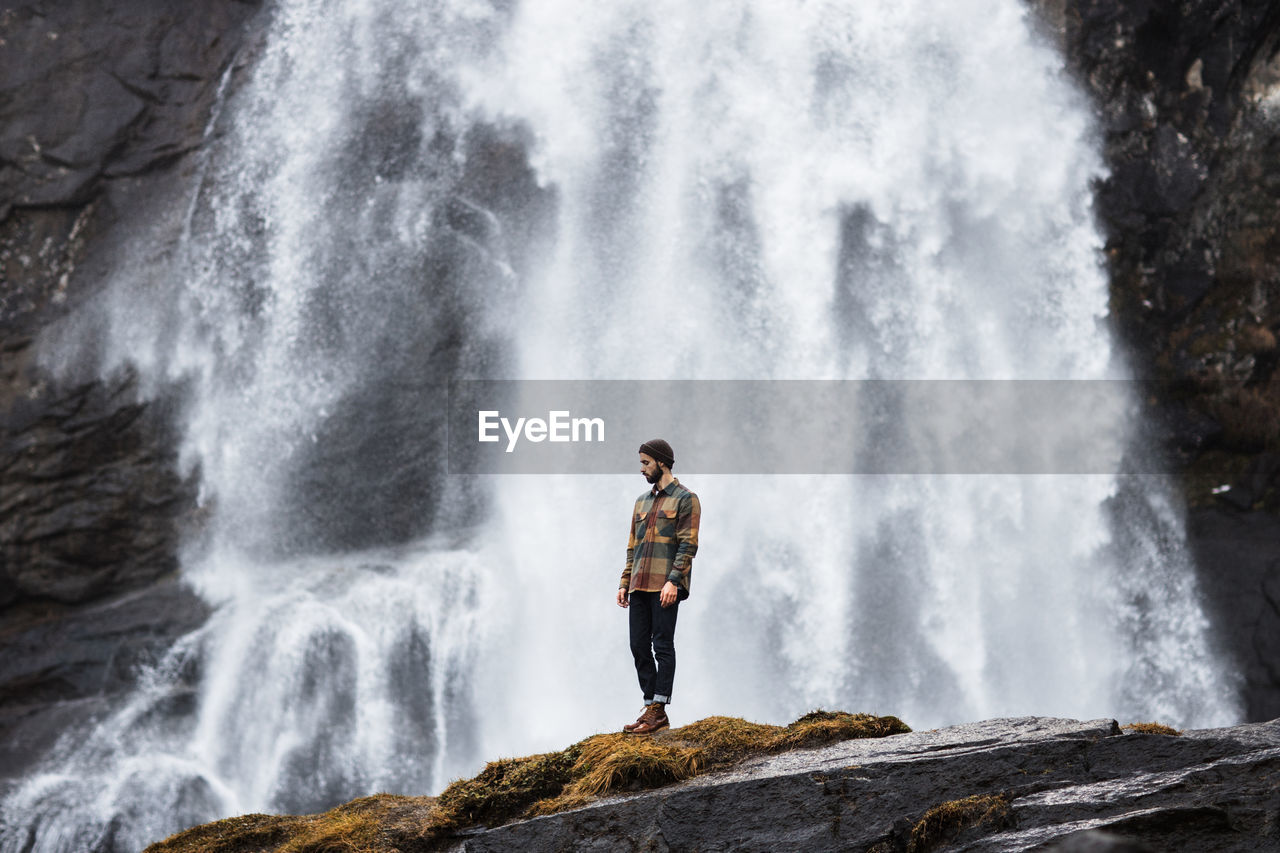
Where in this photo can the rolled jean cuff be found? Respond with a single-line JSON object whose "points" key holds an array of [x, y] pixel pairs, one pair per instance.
{"points": [[665, 700]]}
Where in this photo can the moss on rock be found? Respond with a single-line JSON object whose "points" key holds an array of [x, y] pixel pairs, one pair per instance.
{"points": [[376, 824], [515, 788], [506, 788]]}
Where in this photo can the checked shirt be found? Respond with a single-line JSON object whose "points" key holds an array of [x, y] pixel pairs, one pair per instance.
{"points": [[663, 540]]}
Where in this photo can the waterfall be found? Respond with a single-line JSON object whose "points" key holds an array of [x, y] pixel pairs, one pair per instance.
{"points": [[661, 190]]}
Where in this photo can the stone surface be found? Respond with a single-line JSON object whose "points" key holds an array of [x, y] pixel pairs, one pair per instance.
{"points": [[64, 666], [91, 513], [1239, 558], [1071, 786], [90, 499], [1188, 209], [93, 91], [1188, 99], [100, 105]]}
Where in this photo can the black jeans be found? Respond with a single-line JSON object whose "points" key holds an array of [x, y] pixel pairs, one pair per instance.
{"points": [[653, 630]]}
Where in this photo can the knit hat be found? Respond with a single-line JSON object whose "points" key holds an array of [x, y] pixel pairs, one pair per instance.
{"points": [[659, 450]]}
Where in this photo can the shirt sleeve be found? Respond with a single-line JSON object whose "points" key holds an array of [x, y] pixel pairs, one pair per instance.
{"points": [[625, 583], [687, 516]]}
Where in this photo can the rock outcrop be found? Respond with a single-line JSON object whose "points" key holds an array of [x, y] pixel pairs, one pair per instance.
{"points": [[1042, 782], [1030, 783]]}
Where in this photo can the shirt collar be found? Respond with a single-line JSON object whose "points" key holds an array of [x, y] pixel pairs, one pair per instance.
{"points": [[669, 490]]}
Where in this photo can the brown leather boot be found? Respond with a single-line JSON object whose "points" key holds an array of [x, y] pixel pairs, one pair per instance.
{"points": [[654, 719], [630, 727]]}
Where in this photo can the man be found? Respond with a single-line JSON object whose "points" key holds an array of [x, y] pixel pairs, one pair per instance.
{"points": [[660, 549]]}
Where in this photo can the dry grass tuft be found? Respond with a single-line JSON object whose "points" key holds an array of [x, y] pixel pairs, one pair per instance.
{"points": [[727, 739], [506, 788], [1152, 729], [544, 784], [515, 788], [822, 727], [944, 822], [247, 832], [562, 803], [367, 825], [618, 761]]}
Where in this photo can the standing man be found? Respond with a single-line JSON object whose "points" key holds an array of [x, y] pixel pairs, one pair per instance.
{"points": [[660, 549]]}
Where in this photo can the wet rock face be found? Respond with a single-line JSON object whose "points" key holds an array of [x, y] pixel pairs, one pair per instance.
{"points": [[91, 494], [91, 508], [1065, 786], [1188, 99], [1189, 111], [1239, 558], [97, 100], [372, 477], [99, 106], [95, 91], [64, 666]]}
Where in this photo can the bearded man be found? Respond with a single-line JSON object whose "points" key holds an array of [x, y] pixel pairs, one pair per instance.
{"points": [[660, 546]]}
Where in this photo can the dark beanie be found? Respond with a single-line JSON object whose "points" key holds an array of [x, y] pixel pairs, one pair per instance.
{"points": [[659, 450]]}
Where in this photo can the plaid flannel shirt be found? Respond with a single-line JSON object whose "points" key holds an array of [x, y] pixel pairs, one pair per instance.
{"points": [[663, 540]]}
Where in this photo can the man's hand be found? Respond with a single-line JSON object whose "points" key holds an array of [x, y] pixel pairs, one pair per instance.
{"points": [[670, 592], [622, 597]]}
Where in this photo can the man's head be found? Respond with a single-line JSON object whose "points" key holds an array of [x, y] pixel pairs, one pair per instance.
{"points": [[655, 455]]}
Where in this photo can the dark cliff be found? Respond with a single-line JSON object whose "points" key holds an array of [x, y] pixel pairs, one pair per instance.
{"points": [[1188, 98], [101, 110]]}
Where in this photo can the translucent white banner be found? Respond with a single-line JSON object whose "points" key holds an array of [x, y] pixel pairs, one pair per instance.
{"points": [[800, 427]]}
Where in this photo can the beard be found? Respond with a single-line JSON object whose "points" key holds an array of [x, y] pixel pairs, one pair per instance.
{"points": [[655, 476]]}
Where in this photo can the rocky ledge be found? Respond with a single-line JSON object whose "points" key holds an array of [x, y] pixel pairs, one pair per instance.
{"points": [[1030, 783], [1037, 782]]}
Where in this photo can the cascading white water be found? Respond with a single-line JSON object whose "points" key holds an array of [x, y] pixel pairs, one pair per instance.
{"points": [[776, 190], [798, 191]]}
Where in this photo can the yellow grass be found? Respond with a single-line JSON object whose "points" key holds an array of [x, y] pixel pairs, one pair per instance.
{"points": [[362, 826], [615, 761], [515, 788], [1151, 729], [943, 822]]}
